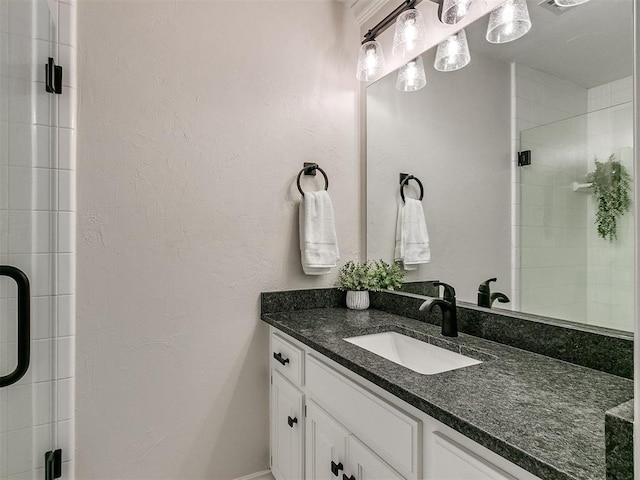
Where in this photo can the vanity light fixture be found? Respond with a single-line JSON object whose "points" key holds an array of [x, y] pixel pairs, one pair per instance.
{"points": [[409, 39], [410, 35], [453, 53], [411, 77], [370, 61], [570, 3], [508, 22], [452, 11]]}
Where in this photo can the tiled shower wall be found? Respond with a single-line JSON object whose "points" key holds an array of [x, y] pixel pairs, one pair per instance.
{"points": [[37, 232], [610, 279], [564, 269]]}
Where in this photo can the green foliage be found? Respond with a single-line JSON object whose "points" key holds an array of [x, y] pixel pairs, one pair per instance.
{"points": [[387, 276], [371, 276], [612, 190]]}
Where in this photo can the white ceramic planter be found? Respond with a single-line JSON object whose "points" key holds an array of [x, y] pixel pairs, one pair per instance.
{"points": [[358, 300]]}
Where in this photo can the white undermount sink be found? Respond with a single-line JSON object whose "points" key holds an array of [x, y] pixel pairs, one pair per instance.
{"points": [[414, 354]]}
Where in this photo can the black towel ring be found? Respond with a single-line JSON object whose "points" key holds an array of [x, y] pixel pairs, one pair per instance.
{"points": [[307, 170], [405, 181]]}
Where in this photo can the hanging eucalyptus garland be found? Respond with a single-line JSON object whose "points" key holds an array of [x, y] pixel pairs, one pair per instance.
{"points": [[612, 190]]}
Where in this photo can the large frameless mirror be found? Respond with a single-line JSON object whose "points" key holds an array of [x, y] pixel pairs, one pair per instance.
{"points": [[557, 231]]}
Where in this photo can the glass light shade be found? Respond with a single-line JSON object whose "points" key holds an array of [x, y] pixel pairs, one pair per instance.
{"points": [[453, 53], [454, 10], [570, 3], [410, 36], [411, 77], [508, 22], [370, 61]]}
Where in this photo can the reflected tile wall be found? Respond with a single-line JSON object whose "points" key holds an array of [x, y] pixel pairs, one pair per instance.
{"points": [[565, 270]]}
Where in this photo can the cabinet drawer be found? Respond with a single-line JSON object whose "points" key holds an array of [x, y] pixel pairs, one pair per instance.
{"points": [[392, 434], [287, 359]]}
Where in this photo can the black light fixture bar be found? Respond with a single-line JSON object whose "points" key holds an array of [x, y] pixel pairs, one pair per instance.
{"points": [[383, 24]]}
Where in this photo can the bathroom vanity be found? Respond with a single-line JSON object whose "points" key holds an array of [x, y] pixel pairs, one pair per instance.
{"points": [[341, 411]]}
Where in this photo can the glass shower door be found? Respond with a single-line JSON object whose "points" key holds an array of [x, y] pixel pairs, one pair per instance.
{"points": [[28, 232], [568, 270]]}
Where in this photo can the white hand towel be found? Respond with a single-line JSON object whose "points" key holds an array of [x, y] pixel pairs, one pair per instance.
{"points": [[412, 237], [318, 241]]}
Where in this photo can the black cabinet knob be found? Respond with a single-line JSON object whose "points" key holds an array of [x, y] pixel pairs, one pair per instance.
{"points": [[291, 421], [336, 467], [278, 356], [344, 477]]}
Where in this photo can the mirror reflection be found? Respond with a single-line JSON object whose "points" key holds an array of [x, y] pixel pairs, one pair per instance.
{"points": [[556, 232]]}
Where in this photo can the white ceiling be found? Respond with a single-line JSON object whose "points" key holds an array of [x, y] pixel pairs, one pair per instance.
{"points": [[589, 44]]}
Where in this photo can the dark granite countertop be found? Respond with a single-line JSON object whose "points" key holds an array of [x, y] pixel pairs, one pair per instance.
{"points": [[545, 415]]}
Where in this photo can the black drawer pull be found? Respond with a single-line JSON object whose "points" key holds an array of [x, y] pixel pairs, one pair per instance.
{"points": [[280, 358], [291, 421], [344, 477], [335, 468]]}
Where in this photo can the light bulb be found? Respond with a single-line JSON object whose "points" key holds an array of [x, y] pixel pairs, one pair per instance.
{"points": [[453, 48], [410, 34], [370, 62], [411, 73]]}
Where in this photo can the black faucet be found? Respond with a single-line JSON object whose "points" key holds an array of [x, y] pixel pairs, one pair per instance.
{"points": [[447, 306], [486, 298]]}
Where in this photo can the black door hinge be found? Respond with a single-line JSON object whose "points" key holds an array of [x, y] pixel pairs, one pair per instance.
{"points": [[524, 158], [53, 464], [53, 77]]}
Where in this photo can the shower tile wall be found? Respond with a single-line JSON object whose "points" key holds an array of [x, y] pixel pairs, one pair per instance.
{"points": [[37, 232], [542, 98], [610, 265], [565, 269], [552, 220]]}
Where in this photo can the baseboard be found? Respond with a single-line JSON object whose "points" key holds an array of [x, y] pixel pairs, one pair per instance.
{"points": [[264, 475]]}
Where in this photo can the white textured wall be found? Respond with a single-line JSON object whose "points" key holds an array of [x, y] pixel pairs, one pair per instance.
{"points": [[195, 118], [453, 135]]}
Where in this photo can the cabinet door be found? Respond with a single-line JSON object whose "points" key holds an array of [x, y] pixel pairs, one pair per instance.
{"points": [[287, 424], [326, 445], [452, 461], [363, 464]]}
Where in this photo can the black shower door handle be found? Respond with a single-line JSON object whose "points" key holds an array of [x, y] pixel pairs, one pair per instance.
{"points": [[23, 324]]}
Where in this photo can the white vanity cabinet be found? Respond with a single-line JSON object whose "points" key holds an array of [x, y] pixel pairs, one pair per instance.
{"points": [[326, 445], [347, 428], [287, 417], [287, 427], [364, 464], [333, 452]]}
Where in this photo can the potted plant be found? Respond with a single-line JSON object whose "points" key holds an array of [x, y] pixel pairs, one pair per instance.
{"points": [[358, 279], [612, 190], [387, 276]]}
